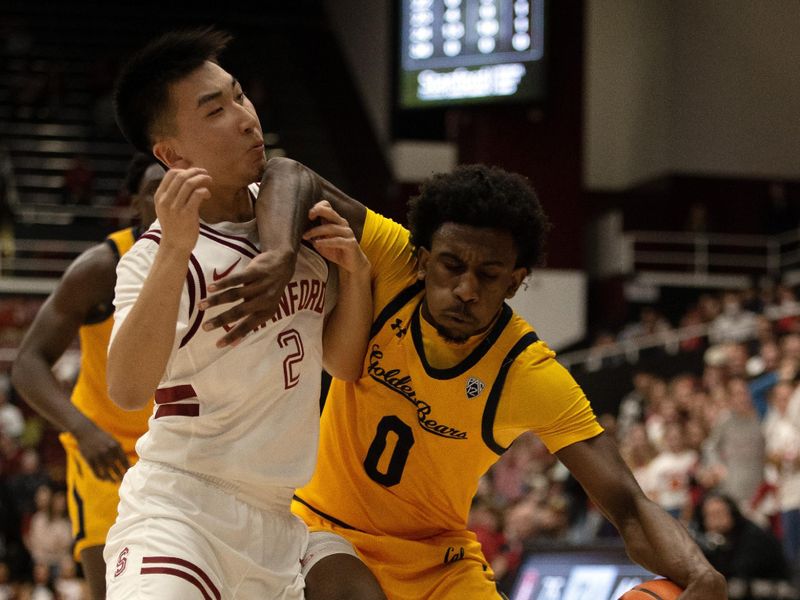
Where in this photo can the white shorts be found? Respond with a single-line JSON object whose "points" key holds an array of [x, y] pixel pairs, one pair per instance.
{"points": [[179, 536]]}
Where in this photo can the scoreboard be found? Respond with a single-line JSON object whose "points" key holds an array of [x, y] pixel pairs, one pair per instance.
{"points": [[471, 51]]}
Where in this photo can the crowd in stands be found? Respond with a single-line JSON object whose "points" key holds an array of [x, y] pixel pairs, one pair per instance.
{"points": [[35, 532], [717, 446]]}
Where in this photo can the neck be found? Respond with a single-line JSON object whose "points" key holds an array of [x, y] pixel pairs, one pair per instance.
{"points": [[234, 205]]}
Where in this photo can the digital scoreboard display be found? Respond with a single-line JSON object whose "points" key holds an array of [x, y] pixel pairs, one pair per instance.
{"points": [[577, 575], [471, 51]]}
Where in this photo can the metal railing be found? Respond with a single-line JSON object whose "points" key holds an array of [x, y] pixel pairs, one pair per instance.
{"points": [[630, 349], [705, 253]]}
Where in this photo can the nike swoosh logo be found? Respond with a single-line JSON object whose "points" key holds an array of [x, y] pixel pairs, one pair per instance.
{"points": [[217, 276]]}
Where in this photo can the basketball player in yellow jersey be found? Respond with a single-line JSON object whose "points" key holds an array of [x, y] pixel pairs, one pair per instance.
{"points": [[98, 436], [452, 376]]}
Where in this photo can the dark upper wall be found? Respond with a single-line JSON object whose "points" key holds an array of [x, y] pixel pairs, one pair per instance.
{"points": [[541, 142]]}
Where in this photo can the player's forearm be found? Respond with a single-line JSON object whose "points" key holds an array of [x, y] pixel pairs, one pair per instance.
{"points": [[662, 545], [347, 331], [33, 378], [288, 190], [139, 352]]}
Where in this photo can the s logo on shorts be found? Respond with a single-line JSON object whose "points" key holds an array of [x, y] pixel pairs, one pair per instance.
{"points": [[122, 562]]}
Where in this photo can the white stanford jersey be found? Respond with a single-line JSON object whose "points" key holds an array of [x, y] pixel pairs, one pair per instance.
{"points": [[248, 415]]}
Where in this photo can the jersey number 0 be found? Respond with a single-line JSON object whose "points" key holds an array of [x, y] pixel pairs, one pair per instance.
{"points": [[397, 462]]}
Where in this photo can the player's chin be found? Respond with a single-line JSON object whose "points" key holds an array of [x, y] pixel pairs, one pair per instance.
{"points": [[256, 170]]}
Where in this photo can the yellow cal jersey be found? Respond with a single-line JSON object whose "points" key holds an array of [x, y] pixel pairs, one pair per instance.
{"points": [[402, 449], [90, 394]]}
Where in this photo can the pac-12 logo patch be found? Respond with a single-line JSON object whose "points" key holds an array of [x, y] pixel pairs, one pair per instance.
{"points": [[122, 562], [474, 387]]}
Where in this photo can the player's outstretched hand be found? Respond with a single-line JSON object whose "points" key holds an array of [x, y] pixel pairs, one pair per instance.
{"points": [[334, 239], [257, 289], [103, 453]]}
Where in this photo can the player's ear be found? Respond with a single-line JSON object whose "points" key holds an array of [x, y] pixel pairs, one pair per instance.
{"points": [[165, 151], [423, 255], [518, 275]]}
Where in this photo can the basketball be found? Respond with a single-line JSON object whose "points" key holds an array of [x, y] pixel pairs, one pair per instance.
{"points": [[655, 589]]}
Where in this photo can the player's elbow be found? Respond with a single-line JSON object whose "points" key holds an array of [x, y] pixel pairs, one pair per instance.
{"points": [[344, 371], [125, 391], [126, 396], [18, 371], [280, 165]]}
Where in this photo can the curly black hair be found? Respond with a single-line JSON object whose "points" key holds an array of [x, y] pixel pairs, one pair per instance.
{"points": [[481, 196], [141, 92]]}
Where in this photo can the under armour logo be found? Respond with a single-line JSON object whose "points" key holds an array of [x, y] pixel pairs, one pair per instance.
{"points": [[398, 328], [474, 387]]}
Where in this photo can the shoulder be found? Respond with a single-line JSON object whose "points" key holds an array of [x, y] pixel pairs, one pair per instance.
{"points": [[93, 266]]}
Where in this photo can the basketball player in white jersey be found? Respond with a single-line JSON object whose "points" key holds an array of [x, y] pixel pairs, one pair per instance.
{"points": [[206, 511]]}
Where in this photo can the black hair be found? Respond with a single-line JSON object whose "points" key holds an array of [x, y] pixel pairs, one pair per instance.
{"points": [[737, 518], [481, 196], [141, 92], [136, 169]]}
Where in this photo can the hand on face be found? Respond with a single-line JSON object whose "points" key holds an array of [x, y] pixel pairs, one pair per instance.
{"points": [[177, 202]]}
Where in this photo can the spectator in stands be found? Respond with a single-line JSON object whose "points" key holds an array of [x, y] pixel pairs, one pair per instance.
{"points": [[23, 485], [10, 456], [42, 584], [708, 305], [12, 551], [682, 388], [12, 422], [693, 318], [633, 405], [599, 352], [734, 323], [650, 322], [774, 370], [661, 411], [695, 433], [765, 333], [78, 186], [49, 537], [68, 585], [638, 452], [486, 521], [790, 346], [669, 474], [785, 311], [737, 547], [511, 474], [7, 591], [736, 357], [734, 460], [783, 467]]}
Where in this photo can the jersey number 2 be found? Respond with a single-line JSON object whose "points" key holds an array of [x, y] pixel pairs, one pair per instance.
{"points": [[286, 338], [397, 462]]}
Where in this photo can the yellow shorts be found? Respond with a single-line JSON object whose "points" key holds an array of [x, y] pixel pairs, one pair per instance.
{"points": [[445, 567], [92, 502]]}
